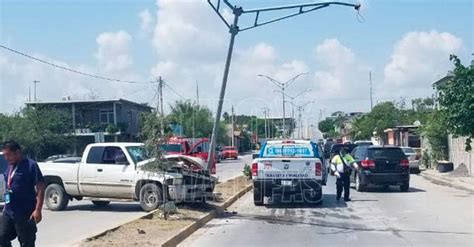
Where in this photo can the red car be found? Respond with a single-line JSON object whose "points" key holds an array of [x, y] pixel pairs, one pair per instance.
{"points": [[230, 152]]}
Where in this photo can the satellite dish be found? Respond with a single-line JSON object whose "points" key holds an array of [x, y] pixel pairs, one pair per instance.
{"points": [[417, 123]]}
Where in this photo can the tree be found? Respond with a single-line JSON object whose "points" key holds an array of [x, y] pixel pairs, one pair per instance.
{"points": [[362, 128], [326, 125], [384, 115], [42, 131], [456, 100], [434, 130], [195, 120]]}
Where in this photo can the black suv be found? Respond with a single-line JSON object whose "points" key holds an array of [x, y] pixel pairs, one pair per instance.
{"points": [[380, 165]]}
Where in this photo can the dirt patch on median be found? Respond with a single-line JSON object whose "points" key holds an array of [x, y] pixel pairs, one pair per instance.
{"points": [[155, 230]]}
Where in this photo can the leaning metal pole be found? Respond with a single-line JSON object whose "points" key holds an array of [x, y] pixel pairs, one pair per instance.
{"points": [[234, 29]]}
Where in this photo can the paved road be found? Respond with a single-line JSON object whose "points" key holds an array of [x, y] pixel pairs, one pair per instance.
{"points": [[428, 215], [228, 169], [82, 219]]}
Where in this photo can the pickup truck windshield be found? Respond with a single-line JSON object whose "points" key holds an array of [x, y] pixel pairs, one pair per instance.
{"points": [[137, 153], [296, 150]]}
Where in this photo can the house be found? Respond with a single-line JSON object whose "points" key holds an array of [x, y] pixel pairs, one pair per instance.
{"points": [[403, 135], [101, 120]]}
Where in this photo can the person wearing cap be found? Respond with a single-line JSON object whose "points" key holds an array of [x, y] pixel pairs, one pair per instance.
{"points": [[24, 196], [342, 167]]}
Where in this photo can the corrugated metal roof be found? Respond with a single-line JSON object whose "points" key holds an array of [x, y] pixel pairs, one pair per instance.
{"points": [[85, 101]]}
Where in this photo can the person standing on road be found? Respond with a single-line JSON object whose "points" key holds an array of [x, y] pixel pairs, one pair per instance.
{"points": [[24, 196], [341, 167]]}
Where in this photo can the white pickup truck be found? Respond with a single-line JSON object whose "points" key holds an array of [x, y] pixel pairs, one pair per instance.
{"points": [[288, 167], [112, 171]]}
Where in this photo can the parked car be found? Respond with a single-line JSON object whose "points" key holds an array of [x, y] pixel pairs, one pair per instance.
{"points": [[380, 165], [113, 171], [363, 143], [230, 152], [288, 167], [413, 158]]}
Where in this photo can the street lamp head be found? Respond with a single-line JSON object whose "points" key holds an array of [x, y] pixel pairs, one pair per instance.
{"points": [[357, 7]]}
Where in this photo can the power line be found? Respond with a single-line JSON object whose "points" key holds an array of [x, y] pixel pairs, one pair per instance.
{"points": [[174, 91], [71, 70]]}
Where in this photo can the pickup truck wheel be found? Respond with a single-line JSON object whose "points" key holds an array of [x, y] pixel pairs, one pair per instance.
{"points": [[358, 184], [151, 196], [404, 187], [101, 203], [56, 197], [257, 196]]}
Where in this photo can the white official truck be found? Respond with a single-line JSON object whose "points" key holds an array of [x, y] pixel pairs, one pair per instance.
{"points": [[289, 167], [112, 171]]}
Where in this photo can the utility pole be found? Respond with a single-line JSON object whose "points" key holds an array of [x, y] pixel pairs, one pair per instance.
{"points": [[197, 92], [234, 29], [371, 92], [160, 94], [265, 111], [35, 82], [233, 130], [256, 127]]}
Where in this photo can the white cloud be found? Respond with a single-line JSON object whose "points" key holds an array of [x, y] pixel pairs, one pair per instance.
{"points": [[113, 51], [189, 31], [419, 58], [146, 21], [340, 74]]}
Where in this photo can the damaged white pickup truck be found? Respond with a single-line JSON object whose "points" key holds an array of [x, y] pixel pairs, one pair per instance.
{"points": [[112, 171]]}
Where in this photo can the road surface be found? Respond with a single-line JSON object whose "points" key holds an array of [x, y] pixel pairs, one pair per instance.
{"points": [[228, 169], [427, 215], [81, 219]]}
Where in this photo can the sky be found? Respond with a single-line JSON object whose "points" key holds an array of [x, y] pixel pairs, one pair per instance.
{"points": [[405, 44]]}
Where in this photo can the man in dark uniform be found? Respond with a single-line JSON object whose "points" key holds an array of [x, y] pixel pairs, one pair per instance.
{"points": [[24, 196]]}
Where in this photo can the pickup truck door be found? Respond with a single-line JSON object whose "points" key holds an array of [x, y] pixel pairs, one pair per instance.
{"points": [[88, 172], [115, 174]]}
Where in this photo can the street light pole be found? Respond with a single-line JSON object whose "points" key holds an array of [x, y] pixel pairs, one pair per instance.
{"points": [[292, 102], [283, 86], [234, 30], [283, 133], [300, 108]]}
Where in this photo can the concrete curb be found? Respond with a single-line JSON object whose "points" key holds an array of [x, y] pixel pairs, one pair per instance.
{"points": [[190, 229], [448, 182]]}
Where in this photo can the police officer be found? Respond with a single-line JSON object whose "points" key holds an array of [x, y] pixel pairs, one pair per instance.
{"points": [[342, 167], [24, 196]]}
